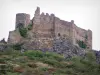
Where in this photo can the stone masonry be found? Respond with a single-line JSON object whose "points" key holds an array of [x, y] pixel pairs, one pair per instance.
{"points": [[49, 27]]}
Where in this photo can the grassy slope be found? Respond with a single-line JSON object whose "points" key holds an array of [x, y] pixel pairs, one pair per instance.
{"points": [[38, 63]]}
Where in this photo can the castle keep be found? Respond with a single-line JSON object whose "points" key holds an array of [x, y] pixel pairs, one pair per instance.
{"points": [[47, 27]]}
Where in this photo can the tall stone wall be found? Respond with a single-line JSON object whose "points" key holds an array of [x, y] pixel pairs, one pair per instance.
{"points": [[62, 28], [83, 35], [43, 24], [72, 32]]}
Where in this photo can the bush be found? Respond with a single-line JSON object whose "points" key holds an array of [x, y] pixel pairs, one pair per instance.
{"points": [[17, 46], [10, 73], [23, 32], [8, 52], [2, 60], [4, 68], [35, 53], [38, 55], [52, 55], [51, 62], [90, 56], [86, 65], [82, 44], [30, 27]]}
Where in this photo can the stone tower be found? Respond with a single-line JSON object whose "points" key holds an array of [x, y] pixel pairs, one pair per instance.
{"points": [[72, 32], [22, 18], [36, 19]]}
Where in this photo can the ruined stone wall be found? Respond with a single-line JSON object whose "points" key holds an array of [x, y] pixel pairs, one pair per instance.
{"points": [[14, 37], [89, 33], [22, 18], [62, 28], [47, 27], [81, 34], [42, 24]]}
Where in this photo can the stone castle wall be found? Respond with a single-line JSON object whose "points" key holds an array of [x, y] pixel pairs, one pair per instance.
{"points": [[43, 24], [81, 34], [14, 37], [48, 27]]}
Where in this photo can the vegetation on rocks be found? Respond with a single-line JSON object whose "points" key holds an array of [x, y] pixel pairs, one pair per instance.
{"points": [[23, 32], [30, 26], [35, 62], [17, 46], [82, 44]]}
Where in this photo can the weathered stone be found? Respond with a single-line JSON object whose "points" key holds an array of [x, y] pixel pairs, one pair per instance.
{"points": [[48, 27], [36, 20], [63, 46], [3, 41], [3, 47], [14, 37], [97, 54], [22, 18]]}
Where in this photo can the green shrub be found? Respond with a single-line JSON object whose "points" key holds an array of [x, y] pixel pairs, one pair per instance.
{"points": [[52, 62], [2, 60], [90, 56], [82, 44], [17, 46], [30, 27], [4, 68], [38, 55], [86, 65], [34, 53], [43, 68], [32, 65], [11, 73], [8, 52], [52, 55], [77, 65], [23, 32]]}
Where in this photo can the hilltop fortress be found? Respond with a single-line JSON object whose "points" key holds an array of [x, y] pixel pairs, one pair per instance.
{"points": [[46, 28]]}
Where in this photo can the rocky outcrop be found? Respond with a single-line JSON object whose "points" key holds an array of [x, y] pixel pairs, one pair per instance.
{"points": [[97, 53], [61, 46], [3, 45], [65, 47]]}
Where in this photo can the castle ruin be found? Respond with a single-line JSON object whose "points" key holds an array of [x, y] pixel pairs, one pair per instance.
{"points": [[48, 27]]}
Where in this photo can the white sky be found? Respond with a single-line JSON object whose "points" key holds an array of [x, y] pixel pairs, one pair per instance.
{"points": [[85, 13]]}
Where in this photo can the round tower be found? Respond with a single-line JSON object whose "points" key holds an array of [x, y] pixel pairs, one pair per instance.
{"points": [[22, 19]]}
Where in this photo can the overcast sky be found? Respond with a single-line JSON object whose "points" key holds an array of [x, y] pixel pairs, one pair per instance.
{"points": [[85, 13]]}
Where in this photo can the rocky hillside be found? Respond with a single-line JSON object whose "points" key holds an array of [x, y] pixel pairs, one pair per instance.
{"points": [[60, 46], [35, 62]]}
